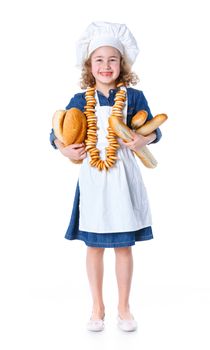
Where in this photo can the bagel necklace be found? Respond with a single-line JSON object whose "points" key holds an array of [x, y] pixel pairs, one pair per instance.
{"points": [[91, 138]]}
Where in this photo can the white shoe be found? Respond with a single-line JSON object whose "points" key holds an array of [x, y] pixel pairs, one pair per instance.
{"points": [[126, 325], [95, 325]]}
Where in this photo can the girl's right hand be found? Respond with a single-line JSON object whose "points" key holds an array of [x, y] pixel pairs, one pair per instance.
{"points": [[73, 152]]}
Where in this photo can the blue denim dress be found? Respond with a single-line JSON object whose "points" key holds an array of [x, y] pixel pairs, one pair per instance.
{"points": [[136, 102]]}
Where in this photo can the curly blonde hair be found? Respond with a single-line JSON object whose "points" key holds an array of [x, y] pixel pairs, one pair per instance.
{"points": [[127, 77]]}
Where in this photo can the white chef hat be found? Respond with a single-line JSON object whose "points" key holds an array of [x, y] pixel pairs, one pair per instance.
{"points": [[100, 34]]}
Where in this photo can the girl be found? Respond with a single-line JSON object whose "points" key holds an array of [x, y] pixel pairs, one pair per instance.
{"points": [[111, 208]]}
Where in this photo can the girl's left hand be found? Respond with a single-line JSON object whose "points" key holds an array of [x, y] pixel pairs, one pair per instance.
{"points": [[139, 141]]}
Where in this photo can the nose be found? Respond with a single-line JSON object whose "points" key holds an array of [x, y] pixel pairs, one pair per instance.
{"points": [[107, 65]]}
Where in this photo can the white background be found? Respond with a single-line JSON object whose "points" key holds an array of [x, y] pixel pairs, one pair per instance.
{"points": [[44, 290]]}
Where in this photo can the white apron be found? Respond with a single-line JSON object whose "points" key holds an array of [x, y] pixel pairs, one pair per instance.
{"points": [[115, 200]]}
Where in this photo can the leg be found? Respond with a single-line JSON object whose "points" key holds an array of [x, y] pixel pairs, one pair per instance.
{"points": [[124, 272], [95, 269]]}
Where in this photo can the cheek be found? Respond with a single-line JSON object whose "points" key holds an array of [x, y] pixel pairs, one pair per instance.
{"points": [[94, 69], [117, 69]]}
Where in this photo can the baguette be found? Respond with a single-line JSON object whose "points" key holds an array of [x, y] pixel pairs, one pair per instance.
{"points": [[120, 129], [147, 157], [152, 125], [124, 132], [139, 119]]}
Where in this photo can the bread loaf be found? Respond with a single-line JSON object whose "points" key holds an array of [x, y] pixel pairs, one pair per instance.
{"points": [[74, 127], [57, 124], [70, 126]]}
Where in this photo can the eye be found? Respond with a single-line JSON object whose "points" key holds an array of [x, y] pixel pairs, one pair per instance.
{"points": [[114, 60]]}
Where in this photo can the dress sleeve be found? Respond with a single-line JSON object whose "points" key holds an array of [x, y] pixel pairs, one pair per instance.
{"points": [[78, 101], [52, 139], [141, 103]]}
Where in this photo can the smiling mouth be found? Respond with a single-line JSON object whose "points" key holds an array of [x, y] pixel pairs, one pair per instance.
{"points": [[106, 74]]}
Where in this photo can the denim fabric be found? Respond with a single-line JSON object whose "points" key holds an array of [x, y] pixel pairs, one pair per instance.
{"points": [[106, 240], [52, 139], [136, 102]]}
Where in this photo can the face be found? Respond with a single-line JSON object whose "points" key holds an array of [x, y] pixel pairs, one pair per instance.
{"points": [[105, 66]]}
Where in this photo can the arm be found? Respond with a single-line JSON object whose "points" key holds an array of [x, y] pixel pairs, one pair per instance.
{"points": [[137, 102], [75, 151], [146, 107], [140, 141]]}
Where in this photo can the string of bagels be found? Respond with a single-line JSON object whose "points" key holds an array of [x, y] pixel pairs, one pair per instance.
{"points": [[73, 126]]}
